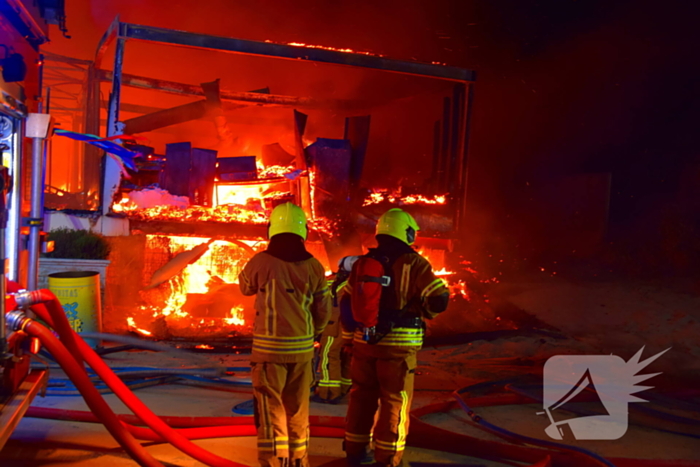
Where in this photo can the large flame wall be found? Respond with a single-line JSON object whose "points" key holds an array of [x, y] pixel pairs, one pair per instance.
{"points": [[160, 290]]}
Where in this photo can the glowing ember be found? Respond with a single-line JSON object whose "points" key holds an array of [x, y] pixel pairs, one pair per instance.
{"points": [[312, 185], [274, 171], [223, 213], [236, 316], [204, 346], [458, 288], [310, 46], [444, 272], [239, 194], [244, 202], [380, 196], [201, 298], [322, 225]]}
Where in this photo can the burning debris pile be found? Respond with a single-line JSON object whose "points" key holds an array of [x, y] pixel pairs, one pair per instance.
{"points": [[204, 213], [188, 282], [246, 203], [193, 289], [199, 210], [378, 196]]}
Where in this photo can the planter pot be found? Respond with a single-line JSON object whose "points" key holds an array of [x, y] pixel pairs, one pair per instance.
{"points": [[76, 285], [79, 294], [51, 265]]}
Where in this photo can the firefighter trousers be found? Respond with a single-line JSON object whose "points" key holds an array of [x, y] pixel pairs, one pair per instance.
{"points": [[329, 386], [281, 392], [334, 367], [382, 377]]}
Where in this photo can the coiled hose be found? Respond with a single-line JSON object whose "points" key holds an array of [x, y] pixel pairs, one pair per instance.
{"points": [[421, 435], [53, 314], [93, 399]]}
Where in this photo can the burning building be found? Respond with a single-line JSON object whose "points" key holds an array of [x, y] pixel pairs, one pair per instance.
{"points": [[335, 131]]}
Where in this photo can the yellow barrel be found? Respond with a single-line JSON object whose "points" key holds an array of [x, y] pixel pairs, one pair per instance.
{"points": [[79, 293]]}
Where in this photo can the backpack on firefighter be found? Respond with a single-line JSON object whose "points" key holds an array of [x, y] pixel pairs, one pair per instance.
{"points": [[373, 296]]}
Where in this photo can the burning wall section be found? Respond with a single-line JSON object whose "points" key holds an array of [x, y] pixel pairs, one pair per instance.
{"points": [[169, 286]]}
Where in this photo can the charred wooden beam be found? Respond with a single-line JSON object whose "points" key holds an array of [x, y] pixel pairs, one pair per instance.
{"points": [[165, 117], [147, 109], [238, 230], [258, 97], [212, 92], [313, 54], [182, 113], [201, 229], [251, 98]]}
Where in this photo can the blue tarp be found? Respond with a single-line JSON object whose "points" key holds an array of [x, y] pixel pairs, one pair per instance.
{"points": [[124, 155]]}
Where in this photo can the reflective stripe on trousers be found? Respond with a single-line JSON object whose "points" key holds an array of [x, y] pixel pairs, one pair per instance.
{"points": [[281, 392], [382, 380]]}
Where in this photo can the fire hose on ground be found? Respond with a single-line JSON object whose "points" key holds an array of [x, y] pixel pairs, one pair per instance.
{"points": [[125, 431], [49, 309], [93, 399]]}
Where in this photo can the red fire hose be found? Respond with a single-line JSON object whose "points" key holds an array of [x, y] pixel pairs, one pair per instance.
{"points": [[161, 431], [123, 429], [422, 434], [61, 326], [197, 428], [53, 314], [93, 399]]}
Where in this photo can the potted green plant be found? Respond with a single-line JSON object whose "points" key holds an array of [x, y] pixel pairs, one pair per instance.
{"points": [[74, 250]]}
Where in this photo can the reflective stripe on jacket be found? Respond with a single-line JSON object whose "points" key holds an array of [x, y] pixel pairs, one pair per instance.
{"points": [[414, 283], [292, 304], [403, 337]]}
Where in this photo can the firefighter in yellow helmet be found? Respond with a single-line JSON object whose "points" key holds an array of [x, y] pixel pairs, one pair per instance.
{"points": [[292, 306], [336, 341], [383, 369]]}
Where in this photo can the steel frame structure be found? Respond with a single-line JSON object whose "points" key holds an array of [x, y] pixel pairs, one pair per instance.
{"points": [[453, 169]]}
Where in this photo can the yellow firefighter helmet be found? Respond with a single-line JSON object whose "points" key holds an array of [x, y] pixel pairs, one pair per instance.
{"points": [[398, 223], [287, 218]]}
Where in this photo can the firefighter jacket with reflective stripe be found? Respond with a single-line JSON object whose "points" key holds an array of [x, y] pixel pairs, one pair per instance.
{"points": [[414, 284], [293, 304]]}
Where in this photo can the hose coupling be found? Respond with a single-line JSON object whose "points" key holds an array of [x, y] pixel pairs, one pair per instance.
{"points": [[17, 320], [27, 298]]}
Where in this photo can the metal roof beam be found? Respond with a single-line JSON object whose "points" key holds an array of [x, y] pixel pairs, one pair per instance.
{"points": [[251, 98], [284, 51]]}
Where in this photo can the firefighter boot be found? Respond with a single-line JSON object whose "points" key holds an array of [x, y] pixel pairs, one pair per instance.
{"points": [[364, 457]]}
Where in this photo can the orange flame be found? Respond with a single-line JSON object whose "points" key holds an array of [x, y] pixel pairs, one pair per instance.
{"points": [[236, 317], [214, 271], [132, 327], [274, 171], [444, 272], [223, 213], [346, 50], [380, 196]]}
